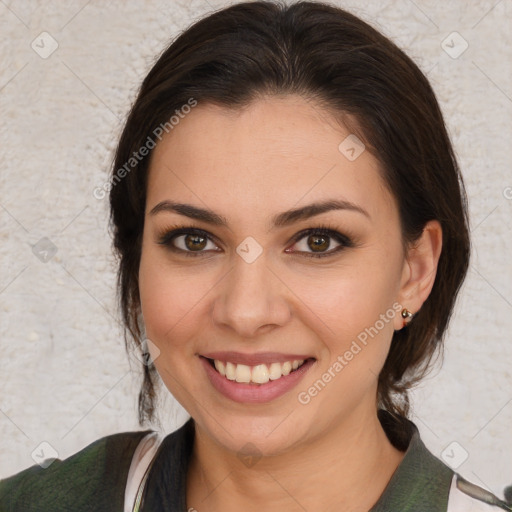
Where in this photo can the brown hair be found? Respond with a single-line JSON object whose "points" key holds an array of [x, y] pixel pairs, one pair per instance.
{"points": [[326, 54]]}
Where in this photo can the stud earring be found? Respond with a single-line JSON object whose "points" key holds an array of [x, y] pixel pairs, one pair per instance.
{"points": [[407, 316]]}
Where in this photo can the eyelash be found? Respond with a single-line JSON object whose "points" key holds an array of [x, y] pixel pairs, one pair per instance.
{"points": [[169, 234]]}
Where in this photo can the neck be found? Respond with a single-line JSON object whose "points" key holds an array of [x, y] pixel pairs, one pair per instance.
{"points": [[348, 467]]}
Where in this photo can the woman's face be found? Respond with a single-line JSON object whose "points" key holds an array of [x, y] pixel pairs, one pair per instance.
{"points": [[256, 288]]}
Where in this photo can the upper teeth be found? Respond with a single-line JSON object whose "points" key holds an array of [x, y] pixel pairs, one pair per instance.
{"points": [[259, 374]]}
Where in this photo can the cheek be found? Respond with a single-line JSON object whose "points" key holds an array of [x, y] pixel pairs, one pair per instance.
{"points": [[349, 300], [356, 313], [167, 298], [354, 308], [175, 304]]}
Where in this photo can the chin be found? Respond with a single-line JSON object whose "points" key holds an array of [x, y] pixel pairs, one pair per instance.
{"points": [[267, 435]]}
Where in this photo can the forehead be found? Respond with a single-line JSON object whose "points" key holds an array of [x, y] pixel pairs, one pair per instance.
{"points": [[276, 152]]}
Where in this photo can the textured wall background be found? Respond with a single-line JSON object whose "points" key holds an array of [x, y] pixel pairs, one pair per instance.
{"points": [[64, 376]]}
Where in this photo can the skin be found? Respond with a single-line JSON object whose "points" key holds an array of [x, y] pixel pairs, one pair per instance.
{"points": [[248, 165]]}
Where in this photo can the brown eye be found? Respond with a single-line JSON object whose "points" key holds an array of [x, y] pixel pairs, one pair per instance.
{"points": [[187, 241], [313, 242], [316, 242], [195, 242]]}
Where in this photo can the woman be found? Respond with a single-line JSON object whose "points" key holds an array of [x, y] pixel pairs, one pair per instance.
{"points": [[292, 231]]}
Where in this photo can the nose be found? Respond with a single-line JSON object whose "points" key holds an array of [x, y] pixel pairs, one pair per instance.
{"points": [[251, 299]]}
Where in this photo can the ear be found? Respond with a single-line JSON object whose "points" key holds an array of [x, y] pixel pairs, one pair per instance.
{"points": [[420, 268]]}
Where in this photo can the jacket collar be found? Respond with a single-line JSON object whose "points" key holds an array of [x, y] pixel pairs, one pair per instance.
{"points": [[421, 483]]}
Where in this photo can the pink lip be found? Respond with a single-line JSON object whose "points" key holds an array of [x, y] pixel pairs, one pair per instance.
{"points": [[255, 393], [254, 359]]}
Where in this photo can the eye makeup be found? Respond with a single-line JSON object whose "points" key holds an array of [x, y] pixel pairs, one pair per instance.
{"points": [[169, 235]]}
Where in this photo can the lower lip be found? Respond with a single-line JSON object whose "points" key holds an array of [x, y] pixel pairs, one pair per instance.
{"points": [[255, 393]]}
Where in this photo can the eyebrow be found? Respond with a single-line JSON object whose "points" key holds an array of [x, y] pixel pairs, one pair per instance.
{"points": [[281, 220]]}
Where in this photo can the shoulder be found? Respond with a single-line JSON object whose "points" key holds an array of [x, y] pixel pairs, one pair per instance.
{"points": [[467, 497], [92, 479], [424, 483]]}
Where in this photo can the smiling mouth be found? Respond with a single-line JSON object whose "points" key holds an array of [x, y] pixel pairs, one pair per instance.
{"points": [[258, 374]]}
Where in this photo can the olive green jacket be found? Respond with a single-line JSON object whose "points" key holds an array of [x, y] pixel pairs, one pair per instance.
{"points": [[95, 478]]}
